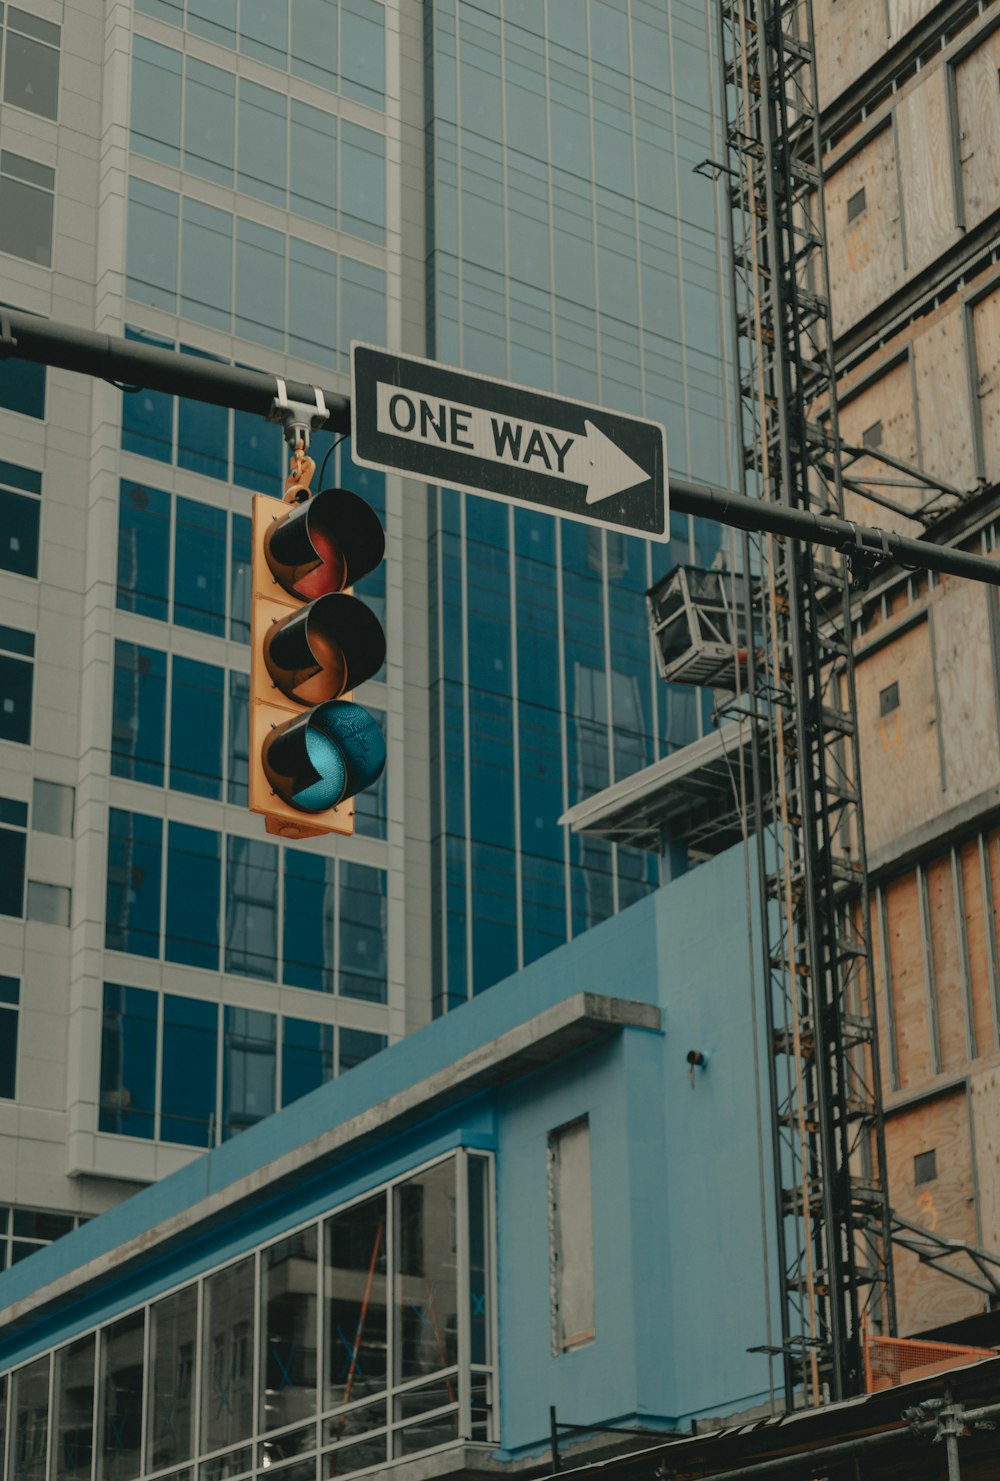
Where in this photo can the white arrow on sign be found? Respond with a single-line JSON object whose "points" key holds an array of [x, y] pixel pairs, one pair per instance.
{"points": [[593, 459]]}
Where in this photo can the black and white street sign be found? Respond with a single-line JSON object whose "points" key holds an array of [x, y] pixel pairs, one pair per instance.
{"points": [[485, 436]]}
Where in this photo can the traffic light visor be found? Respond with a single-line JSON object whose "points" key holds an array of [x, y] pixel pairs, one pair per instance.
{"points": [[320, 759], [325, 544], [319, 651]]}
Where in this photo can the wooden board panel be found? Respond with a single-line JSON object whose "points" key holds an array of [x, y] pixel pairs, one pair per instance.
{"points": [[909, 992], [866, 254], [902, 14], [978, 100], [964, 668], [946, 956], [886, 1052], [923, 133], [886, 403], [899, 746], [926, 1298], [850, 36], [976, 925], [984, 1091], [944, 404], [986, 340]]}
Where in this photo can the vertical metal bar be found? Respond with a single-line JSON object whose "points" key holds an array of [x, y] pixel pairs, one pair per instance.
{"points": [[930, 986], [463, 1285], [554, 1438]]}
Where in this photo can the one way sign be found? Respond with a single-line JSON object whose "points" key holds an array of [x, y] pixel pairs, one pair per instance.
{"points": [[485, 436]]}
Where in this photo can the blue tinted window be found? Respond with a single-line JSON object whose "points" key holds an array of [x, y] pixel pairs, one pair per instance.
{"points": [[251, 908], [152, 245], [306, 1057], [22, 386], [370, 805], [196, 703], [356, 1044], [363, 933], [143, 550], [207, 265], [309, 916], [239, 738], [215, 19], [312, 302], [187, 1093], [128, 1061], [258, 454], [134, 868], [261, 142], [362, 182], [260, 284], [12, 847], [203, 435], [249, 1065], [313, 161], [239, 579], [362, 305], [16, 684], [18, 532], [193, 896], [171, 11], [8, 1039], [362, 47], [264, 30], [139, 713], [200, 567], [148, 416], [210, 101], [156, 101], [314, 42]]}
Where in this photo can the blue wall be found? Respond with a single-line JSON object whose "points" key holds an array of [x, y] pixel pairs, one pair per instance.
{"points": [[677, 1184]]}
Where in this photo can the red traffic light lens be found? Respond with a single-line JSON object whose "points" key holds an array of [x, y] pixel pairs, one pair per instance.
{"points": [[325, 544]]}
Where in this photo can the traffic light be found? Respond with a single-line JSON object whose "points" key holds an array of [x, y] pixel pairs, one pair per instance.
{"points": [[312, 749]]}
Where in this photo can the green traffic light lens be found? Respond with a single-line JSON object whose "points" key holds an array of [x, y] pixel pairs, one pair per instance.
{"points": [[326, 759]]}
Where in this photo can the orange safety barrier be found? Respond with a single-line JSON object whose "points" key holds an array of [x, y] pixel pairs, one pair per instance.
{"points": [[893, 1360]]}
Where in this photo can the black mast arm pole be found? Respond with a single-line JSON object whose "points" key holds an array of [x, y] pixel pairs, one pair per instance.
{"points": [[132, 362]]}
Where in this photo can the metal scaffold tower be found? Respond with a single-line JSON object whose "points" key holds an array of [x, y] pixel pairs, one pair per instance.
{"points": [[833, 1217]]}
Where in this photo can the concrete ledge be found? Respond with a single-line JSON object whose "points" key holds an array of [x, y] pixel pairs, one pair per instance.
{"points": [[550, 1036]]}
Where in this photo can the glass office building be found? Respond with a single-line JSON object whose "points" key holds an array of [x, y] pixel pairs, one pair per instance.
{"points": [[508, 185]]}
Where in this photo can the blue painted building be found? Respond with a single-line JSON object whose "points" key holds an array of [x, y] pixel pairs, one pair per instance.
{"points": [[532, 1202]]}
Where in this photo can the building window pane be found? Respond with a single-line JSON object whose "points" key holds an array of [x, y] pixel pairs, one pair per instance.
{"points": [[148, 416], [22, 388], [19, 518], [170, 1393], [251, 908], [426, 1260], [203, 430], [210, 101], [264, 31], [193, 897], [306, 1057], [357, 1045], [307, 941], [258, 455], [12, 849], [314, 43], [313, 154], [29, 1407], [134, 869], [480, 1282], [52, 808], [249, 1069], [239, 737], [31, 63], [370, 805], [260, 284], [362, 182], [121, 1398], [73, 1411], [288, 1316], [356, 1329], [215, 19], [143, 550], [261, 142], [128, 1061], [16, 683], [312, 303], [156, 101], [207, 272], [362, 305], [26, 203], [10, 990], [363, 923], [362, 42], [51, 904], [200, 567], [239, 579], [187, 1095], [139, 713], [151, 265], [571, 1248], [196, 703], [227, 1357]]}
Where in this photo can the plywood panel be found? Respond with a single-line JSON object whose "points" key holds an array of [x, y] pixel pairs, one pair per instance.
{"points": [[923, 133], [946, 957], [909, 991], [885, 404], [986, 339], [903, 14], [925, 1298], [866, 255], [966, 704], [978, 100], [977, 923], [899, 747], [850, 36], [984, 1091], [944, 406]]}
